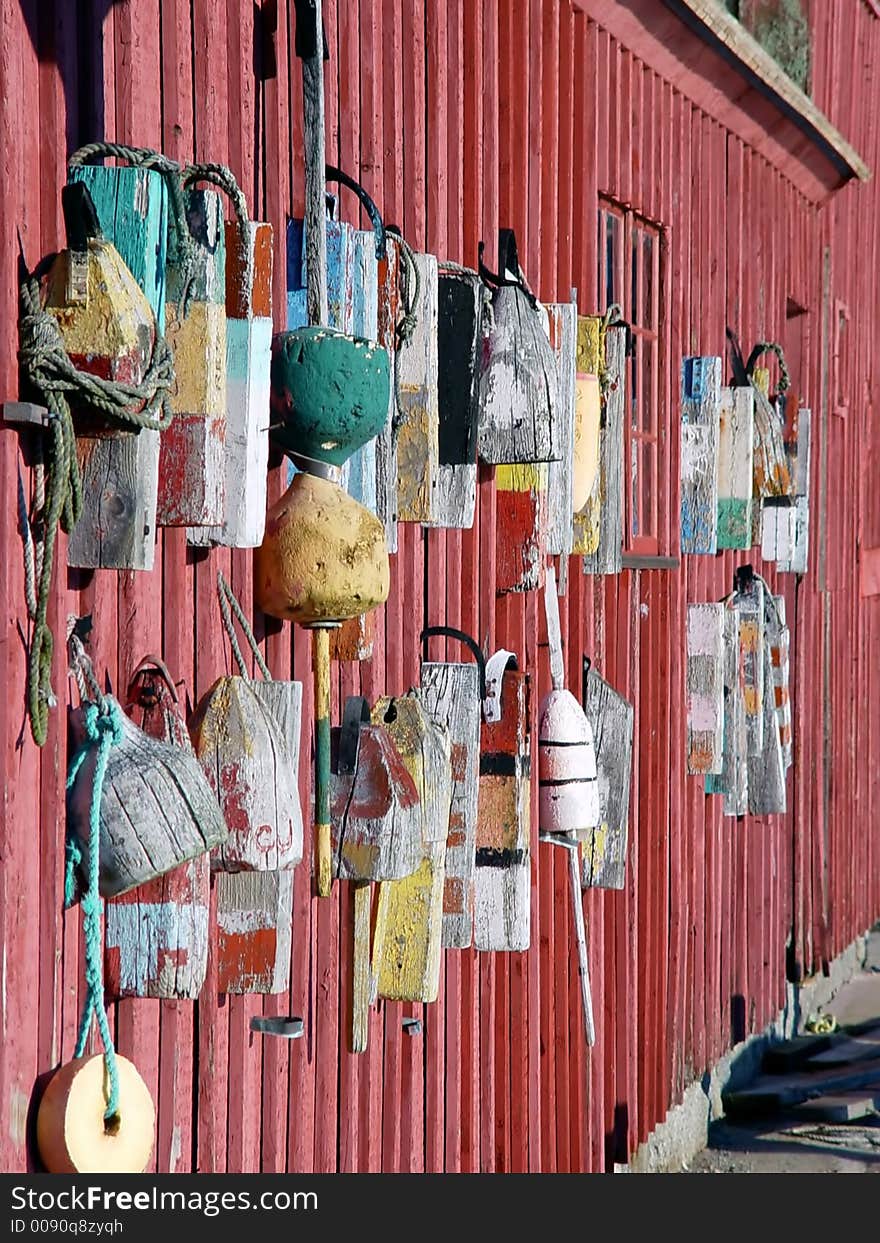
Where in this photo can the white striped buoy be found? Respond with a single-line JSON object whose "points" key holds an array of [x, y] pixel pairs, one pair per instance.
{"points": [[567, 777]]}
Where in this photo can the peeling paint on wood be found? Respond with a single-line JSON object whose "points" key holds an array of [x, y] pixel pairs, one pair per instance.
{"points": [[798, 449], [771, 471], [778, 529], [604, 848], [284, 700], [248, 361], [254, 931], [521, 532], [700, 413], [732, 781], [586, 471], [767, 768], [157, 809], [560, 485], [409, 916], [608, 557], [705, 688], [459, 346], [192, 467], [779, 639], [418, 449], [244, 753], [518, 383], [452, 696], [353, 640], [750, 606], [735, 469], [359, 472], [502, 879], [156, 941], [386, 447], [111, 335]]}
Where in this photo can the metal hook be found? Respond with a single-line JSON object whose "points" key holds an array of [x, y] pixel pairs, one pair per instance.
{"points": [[451, 633]]}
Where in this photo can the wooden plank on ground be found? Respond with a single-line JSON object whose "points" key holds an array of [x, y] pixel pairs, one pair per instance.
{"points": [[604, 850], [700, 412], [502, 880], [452, 696], [705, 688]]}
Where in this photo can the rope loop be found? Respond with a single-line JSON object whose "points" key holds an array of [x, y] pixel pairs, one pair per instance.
{"points": [[228, 601], [103, 729]]}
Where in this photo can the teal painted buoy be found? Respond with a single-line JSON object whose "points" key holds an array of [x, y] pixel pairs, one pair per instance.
{"points": [[330, 393]]}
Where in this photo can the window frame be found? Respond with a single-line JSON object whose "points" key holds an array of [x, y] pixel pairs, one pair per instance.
{"points": [[645, 437]]}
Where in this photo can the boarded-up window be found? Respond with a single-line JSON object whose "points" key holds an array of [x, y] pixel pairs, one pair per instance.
{"points": [[629, 275]]}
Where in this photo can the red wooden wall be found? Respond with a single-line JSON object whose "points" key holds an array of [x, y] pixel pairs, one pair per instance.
{"points": [[459, 117]]}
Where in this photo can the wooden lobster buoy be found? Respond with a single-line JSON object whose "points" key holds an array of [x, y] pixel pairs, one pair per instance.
{"points": [[246, 759], [604, 848], [409, 919], [72, 1136], [560, 482], [567, 775], [736, 441], [700, 423], [108, 329], [157, 809], [376, 832], [459, 349], [705, 688], [254, 931], [156, 936]]}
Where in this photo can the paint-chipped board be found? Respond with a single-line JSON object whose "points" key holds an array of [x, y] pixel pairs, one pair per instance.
{"points": [[735, 470], [608, 557], [778, 529], [563, 338], [767, 795], [459, 345], [771, 476], [340, 271], [732, 782], [359, 473], [407, 939], [750, 606], [354, 639], [517, 383], [284, 700], [248, 293], [132, 208], [705, 688], [452, 696], [603, 851], [779, 639], [521, 525], [254, 931], [418, 448], [386, 441], [502, 877], [587, 437], [192, 468], [242, 748], [120, 472], [700, 414], [799, 448], [156, 940]]}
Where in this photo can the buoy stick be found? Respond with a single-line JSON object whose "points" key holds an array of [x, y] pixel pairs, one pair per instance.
{"points": [[571, 845], [321, 669], [554, 632], [360, 991]]}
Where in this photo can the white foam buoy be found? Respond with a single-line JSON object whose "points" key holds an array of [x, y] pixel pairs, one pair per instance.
{"points": [[72, 1136]]}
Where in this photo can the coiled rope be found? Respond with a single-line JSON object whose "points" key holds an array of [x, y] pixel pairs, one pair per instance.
{"points": [[103, 729]]}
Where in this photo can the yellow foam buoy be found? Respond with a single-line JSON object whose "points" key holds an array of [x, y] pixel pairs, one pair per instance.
{"points": [[72, 1135]]}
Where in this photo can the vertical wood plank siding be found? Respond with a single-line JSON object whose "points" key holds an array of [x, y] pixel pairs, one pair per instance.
{"points": [[459, 118]]}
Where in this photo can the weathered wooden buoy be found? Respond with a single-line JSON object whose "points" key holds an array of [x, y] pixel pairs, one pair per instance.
{"points": [[157, 809], [108, 328], [409, 918], [254, 931], [502, 876], [603, 848], [700, 419], [560, 482], [605, 506], [778, 529], [72, 1136], [323, 556], [736, 439], [780, 642], [705, 688], [568, 797], [733, 780], [518, 377], [156, 936], [459, 349], [246, 759], [797, 445], [416, 368], [376, 832], [452, 696], [590, 361]]}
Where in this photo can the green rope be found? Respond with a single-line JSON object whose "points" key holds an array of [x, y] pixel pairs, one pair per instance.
{"points": [[186, 253], [46, 367], [103, 729], [227, 599]]}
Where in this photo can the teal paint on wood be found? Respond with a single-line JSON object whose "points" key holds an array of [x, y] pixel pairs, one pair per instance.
{"points": [[204, 218], [132, 207]]}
